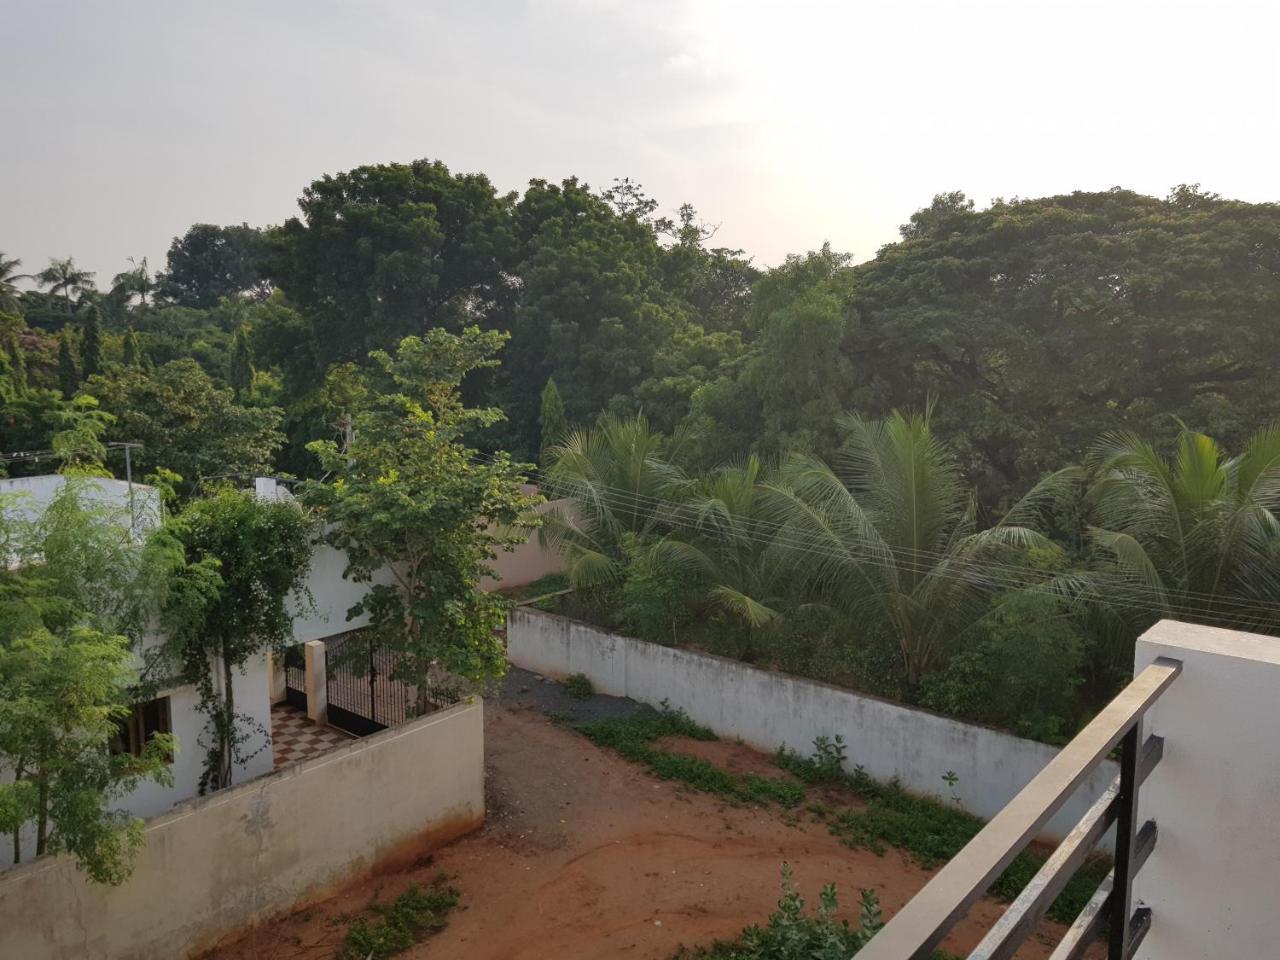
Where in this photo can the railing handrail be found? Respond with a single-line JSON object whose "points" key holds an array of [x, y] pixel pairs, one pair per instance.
{"points": [[920, 926]]}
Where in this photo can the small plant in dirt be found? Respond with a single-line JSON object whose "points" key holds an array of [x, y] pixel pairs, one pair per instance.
{"points": [[578, 686], [633, 737], [794, 934], [826, 765], [410, 918], [951, 778]]}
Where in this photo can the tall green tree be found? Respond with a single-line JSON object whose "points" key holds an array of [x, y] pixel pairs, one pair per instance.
{"points": [[9, 278], [408, 497], [187, 423], [210, 262], [240, 374], [68, 374], [132, 350], [91, 342], [551, 417], [73, 595], [64, 278], [382, 252], [17, 364]]}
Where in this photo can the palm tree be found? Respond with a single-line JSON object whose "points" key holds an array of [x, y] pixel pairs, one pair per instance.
{"points": [[8, 284], [64, 278], [136, 282], [1196, 536], [891, 544], [718, 537], [614, 473]]}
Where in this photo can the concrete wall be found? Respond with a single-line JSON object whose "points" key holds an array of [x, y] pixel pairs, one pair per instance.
{"points": [[238, 857], [1210, 881], [32, 496], [527, 562], [769, 710]]}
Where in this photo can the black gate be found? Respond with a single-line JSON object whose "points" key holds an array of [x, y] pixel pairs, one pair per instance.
{"points": [[295, 677], [363, 698]]}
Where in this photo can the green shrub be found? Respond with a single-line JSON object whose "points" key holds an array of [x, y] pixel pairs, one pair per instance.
{"points": [[793, 934], [578, 686], [411, 917], [825, 766]]}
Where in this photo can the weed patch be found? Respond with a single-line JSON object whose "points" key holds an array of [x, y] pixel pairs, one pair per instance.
{"points": [[633, 738], [578, 686], [929, 832], [410, 918]]}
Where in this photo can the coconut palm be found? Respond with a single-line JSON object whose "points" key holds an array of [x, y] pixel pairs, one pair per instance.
{"points": [[1195, 536], [891, 542], [716, 537], [64, 278], [9, 277], [614, 473]]}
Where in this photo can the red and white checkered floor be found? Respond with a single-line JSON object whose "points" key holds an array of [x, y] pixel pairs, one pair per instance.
{"points": [[294, 737]]}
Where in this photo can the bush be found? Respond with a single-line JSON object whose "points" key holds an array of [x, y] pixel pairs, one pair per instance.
{"points": [[1021, 671], [793, 934], [578, 686], [413, 915]]}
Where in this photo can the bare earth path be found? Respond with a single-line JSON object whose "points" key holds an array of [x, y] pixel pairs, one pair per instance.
{"points": [[585, 856]]}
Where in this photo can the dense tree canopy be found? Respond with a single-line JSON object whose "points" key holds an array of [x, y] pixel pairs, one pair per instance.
{"points": [[1030, 327]]}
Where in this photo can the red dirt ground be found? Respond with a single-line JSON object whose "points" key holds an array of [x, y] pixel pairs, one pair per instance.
{"points": [[585, 856]]}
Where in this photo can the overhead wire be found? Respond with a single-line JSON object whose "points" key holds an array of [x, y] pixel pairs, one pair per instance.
{"points": [[1121, 591]]}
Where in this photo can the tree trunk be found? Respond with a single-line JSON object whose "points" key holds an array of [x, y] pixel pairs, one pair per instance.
{"points": [[42, 816], [229, 723]]}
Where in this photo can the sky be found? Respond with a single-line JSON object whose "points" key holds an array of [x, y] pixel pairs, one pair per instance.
{"points": [[786, 123]]}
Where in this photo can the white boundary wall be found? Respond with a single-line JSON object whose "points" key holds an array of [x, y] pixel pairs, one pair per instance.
{"points": [[219, 864], [769, 710], [1211, 880]]}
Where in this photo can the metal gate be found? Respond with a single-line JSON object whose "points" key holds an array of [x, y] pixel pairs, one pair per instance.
{"points": [[295, 677], [363, 698]]}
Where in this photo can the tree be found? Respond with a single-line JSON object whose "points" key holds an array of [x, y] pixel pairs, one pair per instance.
{"points": [[615, 473], [74, 592], [187, 423], [68, 375], [209, 262], [1193, 537], [891, 544], [408, 497], [132, 350], [17, 365], [91, 343], [240, 374], [8, 284], [64, 278], [551, 417], [135, 282], [382, 252], [61, 695], [1042, 324], [244, 557]]}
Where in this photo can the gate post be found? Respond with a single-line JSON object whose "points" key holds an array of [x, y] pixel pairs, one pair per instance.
{"points": [[276, 675], [317, 681]]}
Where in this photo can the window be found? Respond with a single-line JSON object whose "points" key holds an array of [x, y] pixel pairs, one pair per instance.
{"points": [[146, 720]]}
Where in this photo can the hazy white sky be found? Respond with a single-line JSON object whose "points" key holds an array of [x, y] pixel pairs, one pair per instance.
{"points": [[789, 123]]}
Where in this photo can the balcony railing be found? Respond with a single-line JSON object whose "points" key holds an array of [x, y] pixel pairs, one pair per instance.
{"points": [[922, 924]]}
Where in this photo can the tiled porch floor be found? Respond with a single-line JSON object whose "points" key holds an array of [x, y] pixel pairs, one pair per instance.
{"points": [[294, 737]]}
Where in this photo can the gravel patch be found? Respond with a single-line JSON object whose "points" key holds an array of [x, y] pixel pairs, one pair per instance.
{"points": [[526, 690]]}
